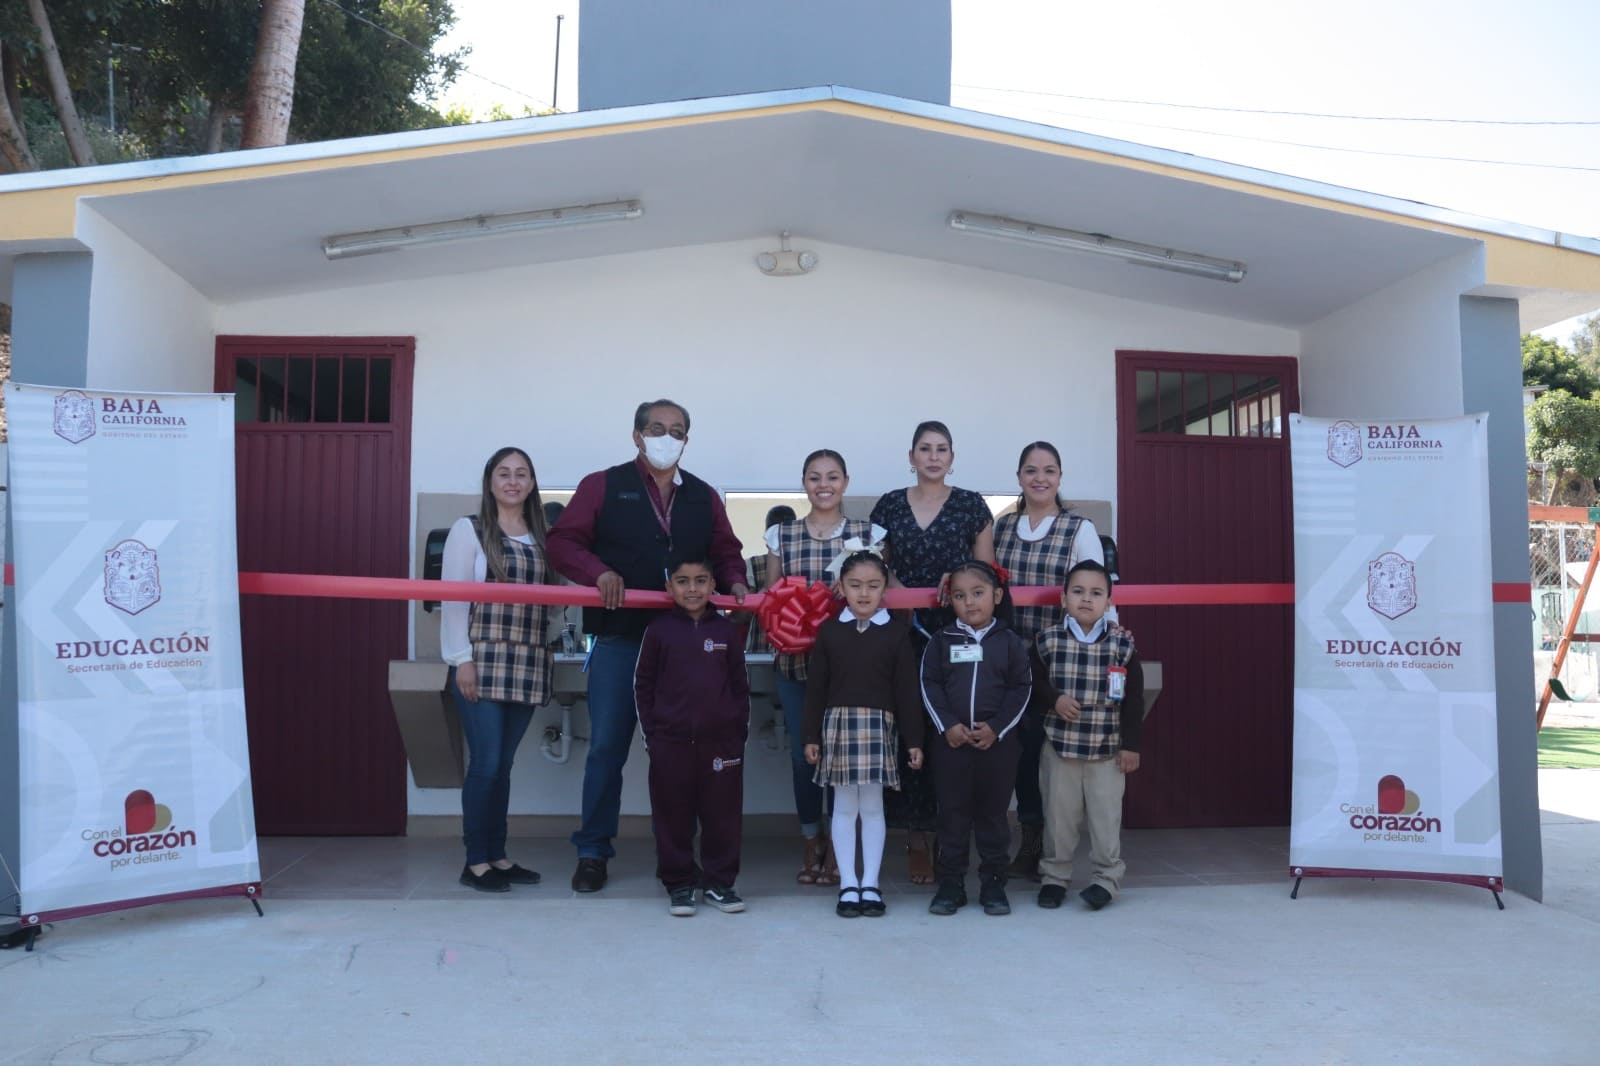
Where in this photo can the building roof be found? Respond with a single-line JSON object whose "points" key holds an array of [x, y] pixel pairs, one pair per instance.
{"points": [[830, 164]]}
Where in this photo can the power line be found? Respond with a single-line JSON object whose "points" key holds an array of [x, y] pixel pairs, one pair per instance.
{"points": [[1292, 114], [418, 48], [1320, 147]]}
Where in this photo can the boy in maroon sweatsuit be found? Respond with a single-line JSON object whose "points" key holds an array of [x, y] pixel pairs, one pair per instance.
{"points": [[694, 707]]}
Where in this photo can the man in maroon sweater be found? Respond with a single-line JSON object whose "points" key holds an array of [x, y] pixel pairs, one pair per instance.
{"points": [[694, 708]]}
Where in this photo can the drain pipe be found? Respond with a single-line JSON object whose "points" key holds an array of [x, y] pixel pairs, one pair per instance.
{"points": [[557, 743]]}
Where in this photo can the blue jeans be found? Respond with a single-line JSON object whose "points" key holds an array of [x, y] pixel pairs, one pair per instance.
{"points": [[492, 730], [612, 718], [807, 793]]}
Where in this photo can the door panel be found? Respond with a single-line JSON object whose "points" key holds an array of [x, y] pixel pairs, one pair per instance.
{"points": [[1203, 497], [323, 457]]}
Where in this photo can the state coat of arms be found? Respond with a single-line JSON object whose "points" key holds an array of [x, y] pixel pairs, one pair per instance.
{"points": [[1391, 584], [132, 580], [1344, 443], [74, 417]]}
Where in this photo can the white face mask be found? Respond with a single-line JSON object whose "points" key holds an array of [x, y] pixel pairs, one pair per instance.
{"points": [[662, 452]]}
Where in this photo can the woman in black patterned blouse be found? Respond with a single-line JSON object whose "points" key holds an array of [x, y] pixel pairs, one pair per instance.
{"points": [[931, 527]]}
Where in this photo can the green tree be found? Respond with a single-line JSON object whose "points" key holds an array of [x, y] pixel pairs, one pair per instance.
{"points": [[1586, 341], [1548, 363], [181, 68], [1564, 433]]}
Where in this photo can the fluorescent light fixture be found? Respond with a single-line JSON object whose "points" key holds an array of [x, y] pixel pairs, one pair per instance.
{"points": [[345, 245], [1071, 240]]}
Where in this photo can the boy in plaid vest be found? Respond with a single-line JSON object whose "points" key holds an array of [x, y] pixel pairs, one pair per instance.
{"points": [[1089, 688]]}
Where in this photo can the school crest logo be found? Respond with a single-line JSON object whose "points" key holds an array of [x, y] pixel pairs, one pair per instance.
{"points": [[1344, 443], [133, 582], [74, 417], [1391, 585]]}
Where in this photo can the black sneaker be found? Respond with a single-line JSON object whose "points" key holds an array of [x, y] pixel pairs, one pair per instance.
{"points": [[992, 895], [1052, 896], [518, 875], [951, 897], [1095, 896], [725, 900], [490, 880], [681, 903], [590, 876]]}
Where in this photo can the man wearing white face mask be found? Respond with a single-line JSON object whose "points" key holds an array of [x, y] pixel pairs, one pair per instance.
{"points": [[615, 535]]}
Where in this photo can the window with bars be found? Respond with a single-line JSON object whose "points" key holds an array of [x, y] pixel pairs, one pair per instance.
{"points": [[1209, 403], [313, 388]]}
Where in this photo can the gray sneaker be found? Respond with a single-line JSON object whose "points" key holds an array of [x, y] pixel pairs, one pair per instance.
{"points": [[681, 903], [725, 900]]}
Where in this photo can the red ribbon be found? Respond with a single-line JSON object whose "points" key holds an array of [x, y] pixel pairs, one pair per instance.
{"points": [[397, 588], [792, 611]]}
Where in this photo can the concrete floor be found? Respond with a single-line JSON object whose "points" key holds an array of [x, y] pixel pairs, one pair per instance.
{"points": [[370, 952]]}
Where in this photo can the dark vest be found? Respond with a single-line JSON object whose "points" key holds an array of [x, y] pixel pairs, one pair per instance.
{"points": [[629, 540]]}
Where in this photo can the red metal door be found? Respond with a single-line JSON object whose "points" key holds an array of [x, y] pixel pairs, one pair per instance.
{"points": [[1203, 493], [323, 437]]}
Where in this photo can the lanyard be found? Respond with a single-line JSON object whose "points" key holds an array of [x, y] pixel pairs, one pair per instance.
{"points": [[663, 516]]}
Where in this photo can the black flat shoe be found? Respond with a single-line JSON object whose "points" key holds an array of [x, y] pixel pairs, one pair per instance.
{"points": [[872, 906], [517, 875], [849, 908], [488, 881]]}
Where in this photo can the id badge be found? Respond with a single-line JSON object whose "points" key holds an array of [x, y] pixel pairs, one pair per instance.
{"points": [[966, 653], [1116, 681]]}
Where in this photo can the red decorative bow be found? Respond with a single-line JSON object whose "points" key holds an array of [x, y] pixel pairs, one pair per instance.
{"points": [[1002, 573], [792, 611]]}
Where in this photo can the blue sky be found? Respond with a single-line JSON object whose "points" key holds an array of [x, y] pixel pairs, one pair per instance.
{"points": [[1062, 63]]}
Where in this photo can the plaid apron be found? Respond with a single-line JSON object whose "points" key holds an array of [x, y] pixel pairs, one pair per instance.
{"points": [[805, 556], [1041, 562], [508, 638], [1079, 670], [860, 746]]}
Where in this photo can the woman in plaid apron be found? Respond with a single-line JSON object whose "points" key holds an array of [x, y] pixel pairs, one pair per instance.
{"points": [[861, 701], [811, 548], [500, 666], [1038, 543]]}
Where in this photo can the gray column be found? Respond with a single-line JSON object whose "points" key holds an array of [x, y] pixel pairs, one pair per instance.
{"points": [[49, 346], [1491, 380]]}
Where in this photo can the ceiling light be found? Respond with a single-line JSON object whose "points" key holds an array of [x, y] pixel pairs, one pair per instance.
{"points": [[345, 245], [784, 263], [1149, 255]]}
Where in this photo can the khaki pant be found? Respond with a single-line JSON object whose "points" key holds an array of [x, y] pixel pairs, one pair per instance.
{"points": [[1076, 789]]}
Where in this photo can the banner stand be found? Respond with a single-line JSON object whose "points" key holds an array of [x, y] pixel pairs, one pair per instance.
{"points": [[1396, 764], [1493, 884], [133, 758]]}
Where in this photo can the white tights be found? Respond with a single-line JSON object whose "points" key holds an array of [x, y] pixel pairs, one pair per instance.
{"points": [[848, 802]]}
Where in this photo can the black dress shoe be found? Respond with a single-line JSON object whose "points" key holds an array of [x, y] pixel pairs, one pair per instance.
{"points": [[518, 875], [1095, 896], [590, 876], [488, 881], [848, 908]]}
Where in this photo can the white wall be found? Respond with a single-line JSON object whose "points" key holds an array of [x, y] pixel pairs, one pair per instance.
{"points": [[1394, 354], [149, 330], [554, 358]]}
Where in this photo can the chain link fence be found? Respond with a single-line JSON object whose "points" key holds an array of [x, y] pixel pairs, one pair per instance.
{"points": [[1558, 555]]}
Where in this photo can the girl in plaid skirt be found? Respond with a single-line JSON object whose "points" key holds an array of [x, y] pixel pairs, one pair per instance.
{"points": [[500, 667], [861, 699]]}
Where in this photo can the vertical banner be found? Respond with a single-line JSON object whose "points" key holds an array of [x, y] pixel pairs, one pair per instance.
{"points": [[135, 771], [1395, 760]]}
